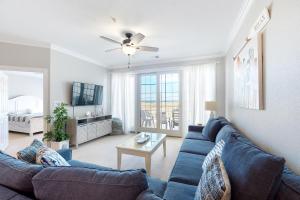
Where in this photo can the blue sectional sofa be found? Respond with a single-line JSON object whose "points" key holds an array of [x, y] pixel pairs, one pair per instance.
{"points": [[185, 176], [23, 181]]}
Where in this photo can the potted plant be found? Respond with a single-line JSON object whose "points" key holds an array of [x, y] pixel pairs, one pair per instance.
{"points": [[56, 136]]}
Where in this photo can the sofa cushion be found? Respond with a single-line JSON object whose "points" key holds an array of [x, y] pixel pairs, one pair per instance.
{"points": [[201, 147], [212, 128], [77, 163], [28, 154], [17, 174], [289, 186], [226, 132], [157, 186], [81, 183], [187, 168], [253, 173], [196, 136], [148, 195], [65, 153], [8, 194], [180, 191]]}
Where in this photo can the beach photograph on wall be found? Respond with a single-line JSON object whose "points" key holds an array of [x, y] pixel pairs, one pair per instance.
{"points": [[248, 90]]}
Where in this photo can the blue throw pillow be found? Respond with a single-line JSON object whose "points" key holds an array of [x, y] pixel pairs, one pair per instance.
{"points": [[29, 153], [253, 173], [81, 183], [212, 128]]}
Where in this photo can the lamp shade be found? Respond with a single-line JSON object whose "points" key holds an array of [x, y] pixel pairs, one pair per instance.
{"points": [[210, 105]]}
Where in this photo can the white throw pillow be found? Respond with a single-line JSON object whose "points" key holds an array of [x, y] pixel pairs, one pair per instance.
{"points": [[214, 183], [50, 158], [217, 150]]}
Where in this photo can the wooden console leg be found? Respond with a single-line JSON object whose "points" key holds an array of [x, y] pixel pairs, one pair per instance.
{"points": [[119, 159]]}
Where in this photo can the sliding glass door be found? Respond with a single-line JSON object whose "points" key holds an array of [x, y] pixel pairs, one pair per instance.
{"points": [[159, 103]]}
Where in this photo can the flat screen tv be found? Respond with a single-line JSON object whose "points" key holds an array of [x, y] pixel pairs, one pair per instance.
{"points": [[85, 94]]}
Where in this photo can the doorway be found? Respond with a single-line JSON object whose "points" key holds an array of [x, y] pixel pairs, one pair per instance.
{"points": [[159, 103]]}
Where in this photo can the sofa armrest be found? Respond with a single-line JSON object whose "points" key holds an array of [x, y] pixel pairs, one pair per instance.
{"points": [[65, 153], [196, 128]]}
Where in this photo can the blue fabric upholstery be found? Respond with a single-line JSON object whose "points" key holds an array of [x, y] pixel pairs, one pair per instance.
{"points": [[187, 168], [225, 133], [180, 191], [77, 163], [253, 173], [212, 128], [201, 147], [81, 183], [157, 186], [8, 194], [289, 187], [148, 195], [17, 174], [194, 128], [65, 153], [196, 136]]}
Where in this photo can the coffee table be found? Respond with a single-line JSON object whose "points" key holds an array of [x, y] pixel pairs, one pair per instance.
{"points": [[143, 150]]}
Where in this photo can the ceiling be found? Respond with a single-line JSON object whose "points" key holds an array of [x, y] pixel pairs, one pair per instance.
{"points": [[181, 29]]}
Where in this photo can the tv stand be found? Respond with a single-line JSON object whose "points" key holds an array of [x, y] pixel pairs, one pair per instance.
{"points": [[85, 129]]}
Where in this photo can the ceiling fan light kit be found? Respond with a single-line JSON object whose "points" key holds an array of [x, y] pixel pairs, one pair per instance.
{"points": [[129, 46], [129, 50]]}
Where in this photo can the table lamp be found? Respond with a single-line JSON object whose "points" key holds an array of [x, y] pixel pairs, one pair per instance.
{"points": [[212, 107]]}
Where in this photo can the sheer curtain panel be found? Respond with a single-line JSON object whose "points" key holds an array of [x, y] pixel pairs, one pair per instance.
{"points": [[123, 99], [198, 86]]}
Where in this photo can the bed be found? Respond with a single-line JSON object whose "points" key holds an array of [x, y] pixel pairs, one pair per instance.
{"points": [[25, 115]]}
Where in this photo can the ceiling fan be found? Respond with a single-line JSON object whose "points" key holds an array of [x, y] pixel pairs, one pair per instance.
{"points": [[130, 46]]}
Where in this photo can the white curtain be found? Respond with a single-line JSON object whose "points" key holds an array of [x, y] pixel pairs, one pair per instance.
{"points": [[3, 111], [198, 86], [123, 99]]}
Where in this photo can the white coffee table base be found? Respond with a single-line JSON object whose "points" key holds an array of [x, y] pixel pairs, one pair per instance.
{"points": [[147, 155]]}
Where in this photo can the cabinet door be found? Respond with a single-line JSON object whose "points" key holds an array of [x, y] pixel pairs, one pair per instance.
{"points": [[81, 134], [108, 127], [100, 125], [92, 131]]}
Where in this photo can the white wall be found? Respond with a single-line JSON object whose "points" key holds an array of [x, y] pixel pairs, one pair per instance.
{"points": [[276, 128], [19, 57], [24, 83], [66, 69]]}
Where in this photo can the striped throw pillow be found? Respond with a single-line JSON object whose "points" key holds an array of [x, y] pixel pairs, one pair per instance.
{"points": [[217, 150], [214, 183], [50, 158], [29, 153]]}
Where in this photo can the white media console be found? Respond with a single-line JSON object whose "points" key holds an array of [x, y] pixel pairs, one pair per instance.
{"points": [[85, 129]]}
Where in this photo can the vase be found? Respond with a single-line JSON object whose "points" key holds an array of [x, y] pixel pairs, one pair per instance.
{"points": [[59, 145]]}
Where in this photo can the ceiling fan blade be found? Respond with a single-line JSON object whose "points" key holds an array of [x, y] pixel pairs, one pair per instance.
{"points": [[137, 38], [146, 48], [110, 40], [114, 49]]}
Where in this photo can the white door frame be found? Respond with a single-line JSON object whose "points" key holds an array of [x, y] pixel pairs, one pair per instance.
{"points": [[178, 133], [46, 83]]}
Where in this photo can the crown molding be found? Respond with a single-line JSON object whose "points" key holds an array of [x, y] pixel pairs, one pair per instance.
{"points": [[26, 43], [76, 55], [179, 62], [239, 22]]}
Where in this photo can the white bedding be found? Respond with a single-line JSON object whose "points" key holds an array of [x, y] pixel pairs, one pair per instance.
{"points": [[25, 114]]}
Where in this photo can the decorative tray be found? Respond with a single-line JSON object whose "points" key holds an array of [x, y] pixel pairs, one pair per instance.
{"points": [[142, 138]]}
